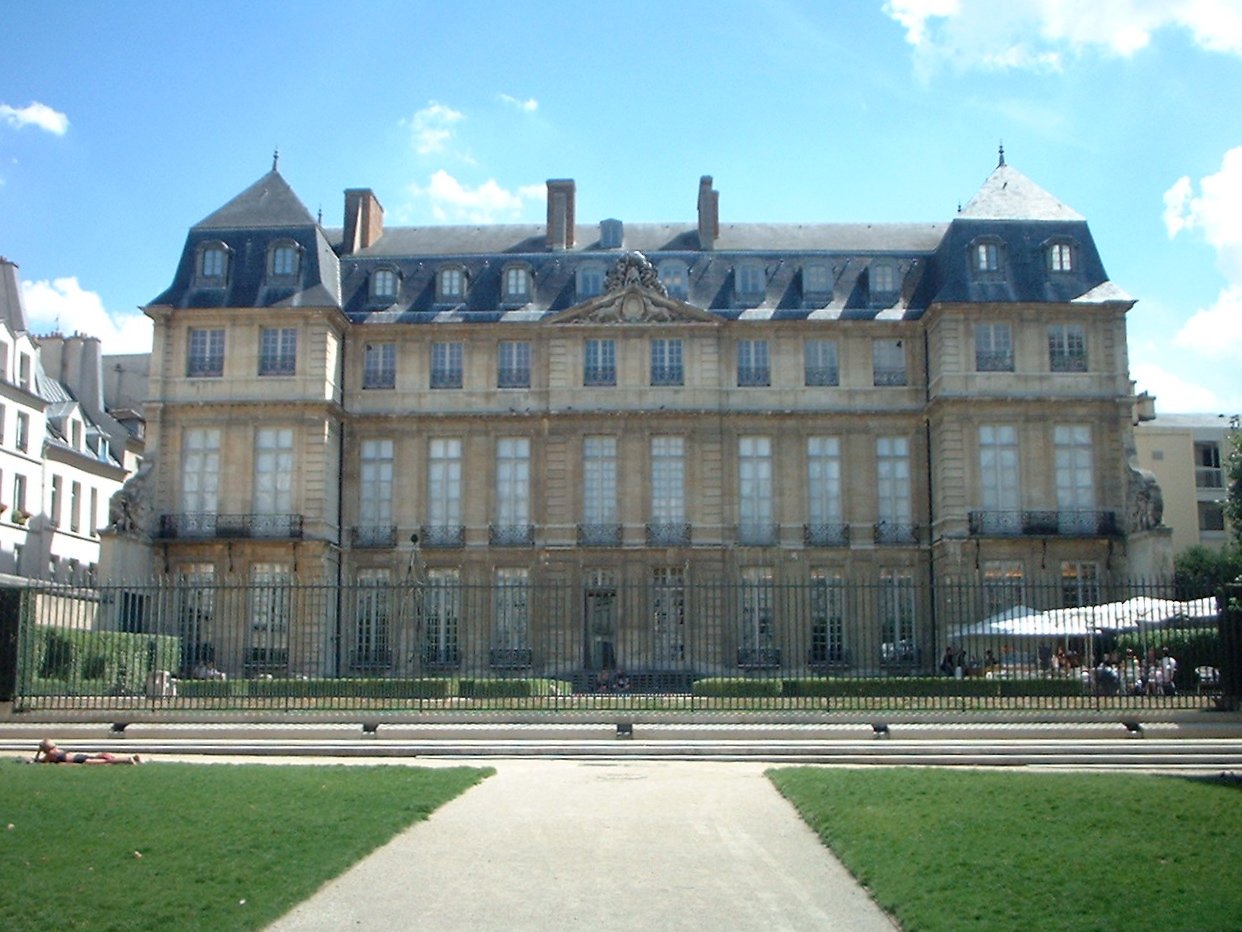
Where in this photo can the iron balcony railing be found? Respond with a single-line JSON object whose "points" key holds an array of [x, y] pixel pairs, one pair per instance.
{"points": [[667, 375], [822, 375], [754, 377], [1209, 477], [373, 536], [993, 361], [511, 535], [889, 376], [888, 533], [1052, 523], [441, 658], [826, 535], [1067, 362], [599, 535], [211, 525], [668, 534], [510, 658], [445, 536]]}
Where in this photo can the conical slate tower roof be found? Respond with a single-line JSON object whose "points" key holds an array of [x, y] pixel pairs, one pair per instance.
{"points": [[269, 202], [1010, 195]]}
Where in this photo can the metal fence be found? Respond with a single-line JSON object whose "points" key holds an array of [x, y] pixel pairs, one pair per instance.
{"points": [[596, 644]]}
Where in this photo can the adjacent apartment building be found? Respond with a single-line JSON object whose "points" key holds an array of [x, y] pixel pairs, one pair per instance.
{"points": [[62, 456], [1188, 454], [677, 404]]}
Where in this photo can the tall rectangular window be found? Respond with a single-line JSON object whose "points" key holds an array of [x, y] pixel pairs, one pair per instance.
{"points": [[57, 499], [895, 510], [513, 364], [19, 494], [512, 491], [1080, 584], [897, 614], [23, 371], [23, 431], [1067, 348], [446, 365], [205, 354], [511, 619], [599, 362], [819, 363], [452, 284], [756, 509], [757, 639], [372, 620], [668, 614], [666, 362], [200, 480], [753, 367], [278, 351], [825, 522], [993, 347], [195, 613], [599, 491], [441, 618], [3, 421], [94, 514], [375, 475], [999, 496], [444, 492], [1002, 586], [668, 487], [75, 506], [379, 365], [1075, 471], [827, 618], [273, 471], [888, 362], [271, 604]]}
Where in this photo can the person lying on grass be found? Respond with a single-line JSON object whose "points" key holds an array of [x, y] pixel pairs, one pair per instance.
{"points": [[49, 753]]}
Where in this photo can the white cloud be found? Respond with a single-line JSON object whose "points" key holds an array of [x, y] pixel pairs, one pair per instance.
{"points": [[63, 306], [1040, 34], [450, 200], [37, 114], [530, 105], [1173, 393], [1217, 213], [432, 127]]}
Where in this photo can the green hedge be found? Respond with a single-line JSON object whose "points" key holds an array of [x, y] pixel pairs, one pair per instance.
{"points": [[73, 661], [883, 687], [394, 688], [736, 687], [516, 688]]}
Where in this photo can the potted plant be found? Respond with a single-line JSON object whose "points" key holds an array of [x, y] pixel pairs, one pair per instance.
{"points": [[21, 517]]}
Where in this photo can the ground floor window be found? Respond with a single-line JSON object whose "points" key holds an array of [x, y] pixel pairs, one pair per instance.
{"points": [[372, 620], [897, 613], [441, 617], [757, 640], [668, 614], [827, 619]]}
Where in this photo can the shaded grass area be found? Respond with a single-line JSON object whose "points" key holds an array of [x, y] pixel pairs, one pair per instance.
{"points": [[948, 849], [192, 845]]}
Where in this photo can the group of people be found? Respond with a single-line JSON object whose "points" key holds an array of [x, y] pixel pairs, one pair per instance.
{"points": [[1154, 675]]}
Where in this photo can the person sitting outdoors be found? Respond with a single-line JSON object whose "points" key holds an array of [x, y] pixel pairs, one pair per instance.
{"points": [[207, 671], [49, 753]]}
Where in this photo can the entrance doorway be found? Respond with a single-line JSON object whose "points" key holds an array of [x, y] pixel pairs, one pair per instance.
{"points": [[600, 621]]}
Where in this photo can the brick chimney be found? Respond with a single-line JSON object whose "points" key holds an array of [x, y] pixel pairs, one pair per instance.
{"points": [[709, 213], [560, 213], [364, 219]]}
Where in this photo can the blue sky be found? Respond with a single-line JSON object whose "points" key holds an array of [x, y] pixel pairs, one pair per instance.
{"points": [[123, 124]]}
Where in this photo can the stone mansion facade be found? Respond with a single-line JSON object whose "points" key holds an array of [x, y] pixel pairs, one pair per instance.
{"points": [[658, 405]]}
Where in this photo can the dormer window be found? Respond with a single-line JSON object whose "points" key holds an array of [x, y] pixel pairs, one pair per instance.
{"points": [[517, 284], [883, 277], [749, 281], [213, 263], [675, 276], [985, 256], [1060, 257], [451, 284], [384, 284], [590, 281], [284, 261], [816, 280]]}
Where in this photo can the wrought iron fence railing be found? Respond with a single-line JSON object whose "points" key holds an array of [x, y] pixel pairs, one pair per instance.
{"points": [[602, 642]]}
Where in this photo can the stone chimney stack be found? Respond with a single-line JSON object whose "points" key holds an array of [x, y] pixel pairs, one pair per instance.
{"points": [[560, 213], [76, 361], [709, 213], [364, 219]]}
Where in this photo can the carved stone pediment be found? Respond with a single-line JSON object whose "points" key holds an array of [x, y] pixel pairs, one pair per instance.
{"points": [[633, 294]]}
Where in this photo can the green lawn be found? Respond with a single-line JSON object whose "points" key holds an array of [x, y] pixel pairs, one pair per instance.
{"points": [[951, 849], [192, 845]]}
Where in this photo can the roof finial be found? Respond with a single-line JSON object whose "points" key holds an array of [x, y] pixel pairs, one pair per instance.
{"points": [[1002, 155], [319, 218], [276, 158]]}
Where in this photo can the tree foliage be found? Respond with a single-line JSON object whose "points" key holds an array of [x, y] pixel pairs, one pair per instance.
{"points": [[1200, 571], [1233, 479]]}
